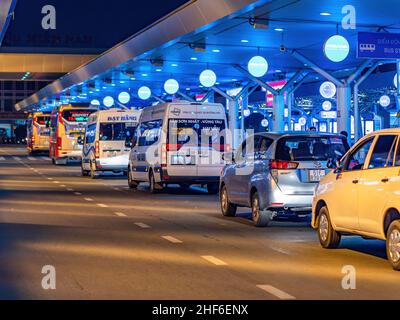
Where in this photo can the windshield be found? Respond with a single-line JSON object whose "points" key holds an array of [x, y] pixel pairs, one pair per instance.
{"points": [[43, 120], [116, 131], [204, 132], [311, 148], [77, 115]]}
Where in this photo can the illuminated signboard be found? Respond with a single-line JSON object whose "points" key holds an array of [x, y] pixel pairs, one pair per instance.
{"points": [[77, 115], [336, 48], [328, 114]]}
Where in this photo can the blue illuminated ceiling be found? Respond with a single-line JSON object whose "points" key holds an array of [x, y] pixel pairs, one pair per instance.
{"points": [[232, 41]]}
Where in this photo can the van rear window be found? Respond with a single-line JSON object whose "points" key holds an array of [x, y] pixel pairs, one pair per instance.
{"points": [[204, 132], [306, 148]]}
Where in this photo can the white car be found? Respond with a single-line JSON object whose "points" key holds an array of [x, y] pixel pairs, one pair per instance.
{"points": [[362, 196]]}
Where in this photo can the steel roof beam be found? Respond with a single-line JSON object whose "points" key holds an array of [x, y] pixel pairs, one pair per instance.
{"points": [[185, 96], [316, 68], [256, 80]]}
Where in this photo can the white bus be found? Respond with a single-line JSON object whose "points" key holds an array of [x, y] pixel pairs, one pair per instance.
{"points": [[179, 143], [107, 141]]}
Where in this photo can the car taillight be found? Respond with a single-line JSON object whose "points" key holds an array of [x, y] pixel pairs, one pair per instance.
{"points": [[164, 151], [172, 147], [97, 149], [59, 143], [282, 165]]}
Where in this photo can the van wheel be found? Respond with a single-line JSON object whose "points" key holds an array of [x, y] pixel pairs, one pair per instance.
{"points": [[228, 209], [212, 188], [154, 187], [85, 173], [393, 245], [328, 237], [131, 183], [261, 218], [93, 174]]}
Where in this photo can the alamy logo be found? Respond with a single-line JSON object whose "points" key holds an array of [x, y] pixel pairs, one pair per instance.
{"points": [[49, 20], [49, 280], [349, 280]]}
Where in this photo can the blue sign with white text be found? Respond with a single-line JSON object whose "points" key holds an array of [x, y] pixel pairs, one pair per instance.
{"points": [[378, 45]]}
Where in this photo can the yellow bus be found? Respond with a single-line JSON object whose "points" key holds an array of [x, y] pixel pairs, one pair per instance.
{"points": [[38, 132], [68, 124]]}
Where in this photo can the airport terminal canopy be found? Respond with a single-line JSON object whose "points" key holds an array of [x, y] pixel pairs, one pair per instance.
{"points": [[223, 36]]}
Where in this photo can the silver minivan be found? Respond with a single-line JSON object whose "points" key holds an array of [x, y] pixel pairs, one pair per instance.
{"points": [[275, 174]]}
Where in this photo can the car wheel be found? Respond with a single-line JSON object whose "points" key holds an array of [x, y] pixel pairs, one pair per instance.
{"points": [[328, 237], [93, 174], [212, 188], [261, 218], [228, 209], [393, 245], [131, 183], [154, 187]]}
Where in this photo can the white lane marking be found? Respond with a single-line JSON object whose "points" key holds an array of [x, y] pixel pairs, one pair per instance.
{"points": [[120, 214], [172, 239], [69, 189], [17, 158], [142, 225], [46, 158], [63, 186], [49, 178], [214, 260], [56, 182], [280, 250], [102, 205], [89, 199], [275, 292], [77, 193], [31, 159]]}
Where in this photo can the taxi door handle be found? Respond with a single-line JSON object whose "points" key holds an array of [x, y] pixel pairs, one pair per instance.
{"points": [[384, 180], [355, 181]]}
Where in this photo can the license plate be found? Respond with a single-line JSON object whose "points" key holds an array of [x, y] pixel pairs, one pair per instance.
{"points": [[316, 175], [182, 161]]}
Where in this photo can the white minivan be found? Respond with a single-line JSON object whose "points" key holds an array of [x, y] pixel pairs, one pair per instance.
{"points": [[106, 145], [179, 143]]}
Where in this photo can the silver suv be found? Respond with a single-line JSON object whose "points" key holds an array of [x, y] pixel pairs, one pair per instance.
{"points": [[275, 174]]}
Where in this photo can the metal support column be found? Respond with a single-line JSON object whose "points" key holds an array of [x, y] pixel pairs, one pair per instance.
{"points": [[344, 107], [278, 113], [357, 114], [290, 104], [398, 86]]}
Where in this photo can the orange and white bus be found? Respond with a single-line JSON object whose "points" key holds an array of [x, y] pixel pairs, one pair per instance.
{"points": [[68, 124], [38, 132]]}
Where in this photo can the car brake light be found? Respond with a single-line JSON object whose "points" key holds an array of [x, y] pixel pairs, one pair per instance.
{"points": [[164, 150], [59, 143], [282, 165], [97, 149]]}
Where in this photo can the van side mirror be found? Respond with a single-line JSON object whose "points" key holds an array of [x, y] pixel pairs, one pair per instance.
{"points": [[130, 143], [228, 157]]}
